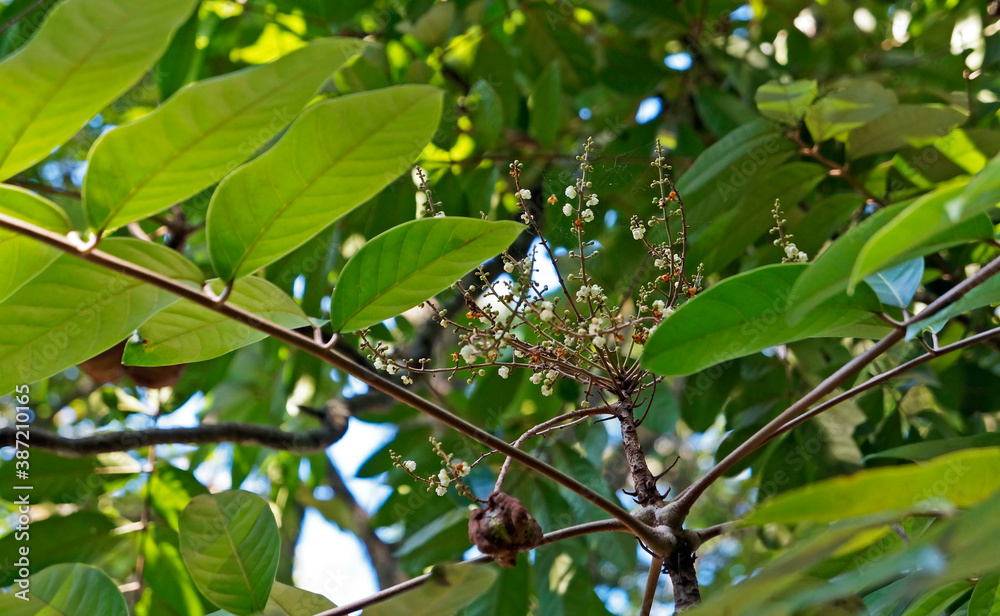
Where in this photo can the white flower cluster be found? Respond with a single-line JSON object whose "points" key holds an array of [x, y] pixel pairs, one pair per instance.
{"points": [[793, 253], [593, 291]]}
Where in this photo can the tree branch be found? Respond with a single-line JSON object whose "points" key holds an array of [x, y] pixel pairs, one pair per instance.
{"points": [[125, 440], [334, 358], [652, 580], [682, 504], [602, 526]]}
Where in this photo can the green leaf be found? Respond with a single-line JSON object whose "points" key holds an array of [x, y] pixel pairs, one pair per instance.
{"points": [[66, 590], [229, 542], [61, 480], [290, 601], [961, 479], [23, 257], [854, 106], [170, 489], [929, 217], [82, 536], [74, 310], [335, 157], [171, 591], [187, 332], [486, 113], [985, 599], [786, 103], [201, 134], [903, 126], [408, 264], [745, 314], [985, 294], [85, 54], [545, 105], [450, 588], [830, 273], [896, 286], [919, 452]]}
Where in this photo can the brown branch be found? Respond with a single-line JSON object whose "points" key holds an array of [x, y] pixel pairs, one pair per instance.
{"points": [[682, 504], [652, 580], [683, 578], [334, 358], [602, 526], [306, 441]]}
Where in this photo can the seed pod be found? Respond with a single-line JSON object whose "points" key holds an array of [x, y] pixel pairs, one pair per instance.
{"points": [[503, 528]]}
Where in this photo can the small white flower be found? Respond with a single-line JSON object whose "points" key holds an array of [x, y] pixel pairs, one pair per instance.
{"points": [[468, 354], [791, 251], [568, 209], [406, 380], [379, 364], [638, 233], [659, 305], [524, 193], [391, 369], [462, 469], [599, 342], [803, 257], [441, 491], [571, 192], [508, 267], [439, 215], [536, 378], [551, 375], [410, 465], [547, 315], [546, 390], [444, 478], [583, 293], [587, 215], [593, 200], [504, 371]]}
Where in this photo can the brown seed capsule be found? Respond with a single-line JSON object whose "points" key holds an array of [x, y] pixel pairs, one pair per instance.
{"points": [[107, 367], [503, 528]]}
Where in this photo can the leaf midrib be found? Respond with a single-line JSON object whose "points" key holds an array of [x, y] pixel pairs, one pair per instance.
{"points": [[198, 140], [288, 203]]}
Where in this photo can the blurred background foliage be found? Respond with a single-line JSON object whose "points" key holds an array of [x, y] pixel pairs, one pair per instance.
{"points": [[530, 81]]}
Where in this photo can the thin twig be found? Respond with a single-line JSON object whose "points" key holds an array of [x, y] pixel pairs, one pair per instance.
{"points": [[601, 526], [652, 581], [335, 358]]}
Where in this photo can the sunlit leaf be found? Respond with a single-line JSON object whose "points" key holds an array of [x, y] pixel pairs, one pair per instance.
{"points": [[67, 590], [86, 54], [747, 313], [201, 134], [408, 264], [335, 157], [785, 102], [24, 258], [186, 332], [229, 542]]}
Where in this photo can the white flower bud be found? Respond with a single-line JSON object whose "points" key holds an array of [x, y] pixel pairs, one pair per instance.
{"points": [[571, 192], [504, 371], [410, 465], [524, 193], [568, 210]]}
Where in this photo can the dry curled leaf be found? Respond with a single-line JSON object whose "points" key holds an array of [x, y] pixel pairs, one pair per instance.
{"points": [[503, 528]]}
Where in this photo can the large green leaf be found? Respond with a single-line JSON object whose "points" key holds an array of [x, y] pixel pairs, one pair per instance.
{"points": [[730, 166], [927, 218], [902, 126], [187, 332], [74, 310], [66, 590], [786, 103], [960, 479], [854, 106], [450, 588], [85, 55], [229, 542], [82, 536], [985, 599], [897, 285], [201, 134], [170, 590], [61, 480], [985, 294], [24, 258], [290, 601], [545, 105], [335, 157], [408, 264], [918, 452], [747, 313], [830, 273]]}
